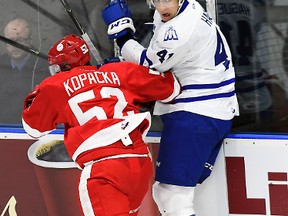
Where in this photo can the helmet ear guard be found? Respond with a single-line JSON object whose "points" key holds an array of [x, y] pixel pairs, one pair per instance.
{"points": [[70, 50]]}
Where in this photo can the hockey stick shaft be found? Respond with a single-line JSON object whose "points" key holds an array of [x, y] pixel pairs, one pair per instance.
{"points": [[22, 47], [84, 35], [116, 47], [211, 9], [85, 10]]}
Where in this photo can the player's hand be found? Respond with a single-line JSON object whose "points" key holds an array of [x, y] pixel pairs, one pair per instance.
{"points": [[30, 97], [110, 60], [118, 18], [148, 106]]}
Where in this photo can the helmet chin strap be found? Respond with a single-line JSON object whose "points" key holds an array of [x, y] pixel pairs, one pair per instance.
{"points": [[180, 3]]}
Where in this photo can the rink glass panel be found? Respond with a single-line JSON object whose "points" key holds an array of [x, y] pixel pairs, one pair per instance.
{"points": [[259, 45]]}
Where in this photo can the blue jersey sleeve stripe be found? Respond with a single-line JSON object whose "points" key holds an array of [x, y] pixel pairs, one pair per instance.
{"points": [[144, 57], [184, 5]]}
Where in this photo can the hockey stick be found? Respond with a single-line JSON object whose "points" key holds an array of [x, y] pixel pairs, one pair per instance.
{"points": [[211, 9], [22, 47], [84, 35], [90, 24]]}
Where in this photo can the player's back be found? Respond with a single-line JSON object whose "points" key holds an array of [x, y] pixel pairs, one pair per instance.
{"points": [[93, 103], [111, 92], [89, 101], [82, 89]]}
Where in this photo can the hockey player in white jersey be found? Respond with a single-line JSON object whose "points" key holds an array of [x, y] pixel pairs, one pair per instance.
{"points": [[188, 42]]}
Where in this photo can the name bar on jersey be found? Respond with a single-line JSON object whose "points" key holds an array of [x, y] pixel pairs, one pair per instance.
{"points": [[96, 77]]}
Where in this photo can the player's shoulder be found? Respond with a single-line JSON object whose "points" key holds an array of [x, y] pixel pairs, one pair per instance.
{"points": [[119, 66], [50, 80], [57, 78]]}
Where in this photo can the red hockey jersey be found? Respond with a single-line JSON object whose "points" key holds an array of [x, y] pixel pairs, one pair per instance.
{"points": [[98, 107]]}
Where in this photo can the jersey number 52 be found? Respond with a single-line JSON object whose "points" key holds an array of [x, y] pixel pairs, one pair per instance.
{"points": [[97, 111]]}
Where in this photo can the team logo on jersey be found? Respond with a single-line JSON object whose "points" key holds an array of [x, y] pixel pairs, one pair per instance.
{"points": [[124, 125], [170, 34], [158, 164], [209, 166]]}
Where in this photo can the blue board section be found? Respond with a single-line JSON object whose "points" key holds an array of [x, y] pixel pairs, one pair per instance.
{"points": [[269, 136]]}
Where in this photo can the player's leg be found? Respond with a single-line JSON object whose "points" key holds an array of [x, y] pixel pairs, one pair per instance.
{"points": [[99, 187], [173, 200], [223, 128], [124, 179], [209, 165], [141, 174], [184, 148], [186, 144], [177, 153]]}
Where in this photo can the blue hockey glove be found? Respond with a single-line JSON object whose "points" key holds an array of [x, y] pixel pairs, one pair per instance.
{"points": [[110, 60], [118, 18]]}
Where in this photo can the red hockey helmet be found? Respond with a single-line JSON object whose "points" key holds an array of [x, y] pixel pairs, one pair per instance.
{"points": [[71, 50]]}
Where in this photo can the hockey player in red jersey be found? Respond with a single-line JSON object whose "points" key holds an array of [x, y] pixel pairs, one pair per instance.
{"points": [[104, 129]]}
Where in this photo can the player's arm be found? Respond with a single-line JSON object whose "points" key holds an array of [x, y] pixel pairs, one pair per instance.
{"points": [[152, 85], [118, 19], [157, 56], [37, 114], [161, 56]]}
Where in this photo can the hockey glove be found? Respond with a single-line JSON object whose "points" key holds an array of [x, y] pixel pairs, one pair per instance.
{"points": [[118, 18], [110, 60], [30, 97]]}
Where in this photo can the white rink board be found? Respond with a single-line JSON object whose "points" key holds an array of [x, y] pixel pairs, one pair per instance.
{"points": [[211, 196], [261, 156]]}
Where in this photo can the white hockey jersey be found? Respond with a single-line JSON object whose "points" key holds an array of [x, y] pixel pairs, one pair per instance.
{"points": [[193, 47]]}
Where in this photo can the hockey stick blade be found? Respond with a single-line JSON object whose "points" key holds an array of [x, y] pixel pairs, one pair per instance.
{"points": [[84, 35], [22, 47]]}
